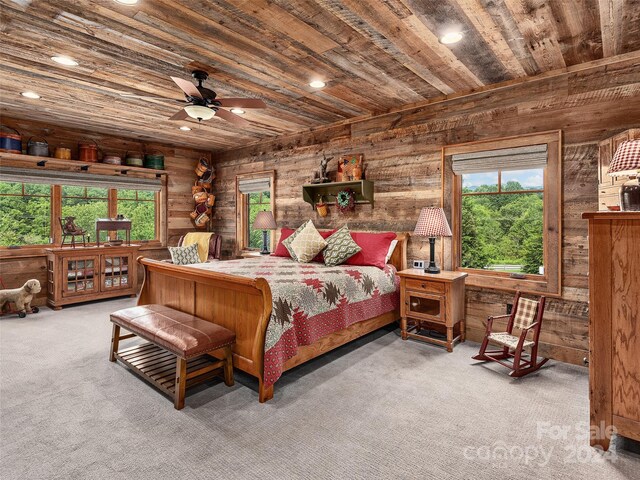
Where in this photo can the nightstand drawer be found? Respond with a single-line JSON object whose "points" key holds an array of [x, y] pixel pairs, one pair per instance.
{"points": [[424, 285]]}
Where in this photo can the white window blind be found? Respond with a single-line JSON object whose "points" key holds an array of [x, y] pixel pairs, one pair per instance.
{"points": [[81, 179], [254, 185], [519, 158]]}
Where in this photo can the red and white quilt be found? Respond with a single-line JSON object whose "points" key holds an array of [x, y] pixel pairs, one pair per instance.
{"points": [[311, 300]]}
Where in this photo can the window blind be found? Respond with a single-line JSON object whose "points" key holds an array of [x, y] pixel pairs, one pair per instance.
{"points": [[254, 185], [81, 179], [519, 158]]}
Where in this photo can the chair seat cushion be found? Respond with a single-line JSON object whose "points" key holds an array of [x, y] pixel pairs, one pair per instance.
{"points": [[182, 334], [511, 341]]}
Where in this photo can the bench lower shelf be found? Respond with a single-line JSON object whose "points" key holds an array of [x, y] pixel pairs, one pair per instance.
{"points": [[158, 366]]}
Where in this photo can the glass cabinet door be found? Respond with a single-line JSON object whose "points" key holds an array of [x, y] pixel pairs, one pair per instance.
{"points": [[79, 274], [115, 270], [427, 306]]}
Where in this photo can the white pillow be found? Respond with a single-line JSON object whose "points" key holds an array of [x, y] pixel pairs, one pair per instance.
{"points": [[392, 247], [308, 243]]}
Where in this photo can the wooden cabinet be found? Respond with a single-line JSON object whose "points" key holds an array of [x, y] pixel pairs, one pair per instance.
{"points": [[614, 324], [89, 273], [436, 299], [609, 187]]}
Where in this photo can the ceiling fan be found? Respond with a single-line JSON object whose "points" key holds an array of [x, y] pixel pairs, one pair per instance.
{"points": [[203, 104]]}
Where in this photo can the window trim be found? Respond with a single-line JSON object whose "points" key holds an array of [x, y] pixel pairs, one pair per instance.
{"points": [[241, 209], [550, 283]]}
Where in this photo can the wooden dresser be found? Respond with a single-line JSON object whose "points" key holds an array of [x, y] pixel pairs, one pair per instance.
{"points": [[614, 324], [436, 299], [82, 274]]}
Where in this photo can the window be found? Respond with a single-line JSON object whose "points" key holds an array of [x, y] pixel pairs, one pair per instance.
{"points": [[25, 214], [502, 221], [256, 202], [140, 207], [86, 204], [30, 213], [505, 206], [254, 193]]}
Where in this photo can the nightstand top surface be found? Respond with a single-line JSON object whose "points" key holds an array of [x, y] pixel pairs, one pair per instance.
{"points": [[444, 276]]}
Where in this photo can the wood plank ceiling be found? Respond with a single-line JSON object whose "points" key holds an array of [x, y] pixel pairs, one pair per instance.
{"points": [[374, 55]]}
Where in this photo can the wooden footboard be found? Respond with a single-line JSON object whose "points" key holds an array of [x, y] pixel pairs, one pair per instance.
{"points": [[243, 305]]}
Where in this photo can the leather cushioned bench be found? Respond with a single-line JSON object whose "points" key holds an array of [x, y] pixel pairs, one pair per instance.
{"points": [[174, 358]]}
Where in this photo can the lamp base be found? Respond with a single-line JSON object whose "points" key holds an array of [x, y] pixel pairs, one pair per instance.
{"points": [[432, 268], [630, 196], [265, 248]]}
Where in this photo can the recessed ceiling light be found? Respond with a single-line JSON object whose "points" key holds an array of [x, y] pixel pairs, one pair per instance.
{"points": [[451, 37], [127, 2], [185, 129], [33, 95], [237, 111], [317, 84], [63, 60]]}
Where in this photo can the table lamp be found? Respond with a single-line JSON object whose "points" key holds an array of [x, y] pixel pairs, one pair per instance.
{"points": [[264, 221], [626, 161], [432, 223]]}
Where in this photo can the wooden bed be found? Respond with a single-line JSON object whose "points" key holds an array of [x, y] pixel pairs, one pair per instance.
{"points": [[243, 305]]}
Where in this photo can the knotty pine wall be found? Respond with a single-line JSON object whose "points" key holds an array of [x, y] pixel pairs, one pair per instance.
{"points": [[179, 163], [403, 157]]}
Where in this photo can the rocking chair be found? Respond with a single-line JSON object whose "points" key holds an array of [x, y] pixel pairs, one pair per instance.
{"points": [[526, 316]]}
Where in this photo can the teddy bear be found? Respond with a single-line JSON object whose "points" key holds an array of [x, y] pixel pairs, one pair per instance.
{"points": [[21, 297]]}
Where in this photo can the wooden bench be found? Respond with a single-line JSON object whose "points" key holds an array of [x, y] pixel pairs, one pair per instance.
{"points": [[180, 352]]}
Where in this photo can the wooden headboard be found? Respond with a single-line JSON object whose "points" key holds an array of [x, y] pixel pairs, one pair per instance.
{"points": [[399, 256]]}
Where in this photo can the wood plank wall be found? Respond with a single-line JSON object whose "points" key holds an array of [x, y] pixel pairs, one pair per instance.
{"points": [[403, 157], [179, 163]]}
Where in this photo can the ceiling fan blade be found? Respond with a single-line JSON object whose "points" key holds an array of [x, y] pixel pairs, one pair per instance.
{"points": [[242, 102], [180, 115], [187, 87], [232, 117]]}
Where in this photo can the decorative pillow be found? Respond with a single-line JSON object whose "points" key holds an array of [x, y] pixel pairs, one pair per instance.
{"points": [[308, 243], [281, 250], [340, 246], [374, 248], [392, 247], [185, 255], [289, 240]]}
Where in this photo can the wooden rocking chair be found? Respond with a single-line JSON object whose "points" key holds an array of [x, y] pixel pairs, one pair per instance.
{"points": [[527, 317]]}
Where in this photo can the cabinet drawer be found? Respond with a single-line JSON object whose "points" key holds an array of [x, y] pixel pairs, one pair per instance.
{"points": [[424, 285]]}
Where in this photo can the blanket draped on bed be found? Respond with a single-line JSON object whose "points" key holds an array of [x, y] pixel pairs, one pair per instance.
{"points": [[311, 300]]}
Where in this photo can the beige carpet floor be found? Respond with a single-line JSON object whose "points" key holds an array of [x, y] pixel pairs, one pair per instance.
{"points": [[378, 408]]}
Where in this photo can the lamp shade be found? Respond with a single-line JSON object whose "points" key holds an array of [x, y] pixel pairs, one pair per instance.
{"points": [[626, 160], [264, 221], [432, 223]]}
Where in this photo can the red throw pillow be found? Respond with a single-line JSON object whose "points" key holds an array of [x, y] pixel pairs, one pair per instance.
{"points": [[374, 248], [281, 250]]}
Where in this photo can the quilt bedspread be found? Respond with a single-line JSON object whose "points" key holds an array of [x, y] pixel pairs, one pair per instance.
{"points": [[311, 300]]}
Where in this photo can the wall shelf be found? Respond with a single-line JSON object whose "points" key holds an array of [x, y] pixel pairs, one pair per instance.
{"points": [[32, 161], [312, 192]]}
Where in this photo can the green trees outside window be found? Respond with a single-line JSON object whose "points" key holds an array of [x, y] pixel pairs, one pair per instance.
{"points": [[139, 206], [256, 202], [502, 221], [25, 214], [86, 204]]}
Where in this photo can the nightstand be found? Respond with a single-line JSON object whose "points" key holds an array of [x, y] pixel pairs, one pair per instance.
{"points": [[436, 299]]}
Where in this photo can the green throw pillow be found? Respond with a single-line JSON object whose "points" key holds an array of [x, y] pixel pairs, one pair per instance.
{"points": [[340, 247], [185, 255], [287, 241]]}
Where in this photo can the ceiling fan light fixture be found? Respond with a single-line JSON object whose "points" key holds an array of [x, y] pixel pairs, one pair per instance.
{"points": [[237, 111], [317, 84], [451, 37], [64, 60], [30, 94], [199, 112], [184, 128]]}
